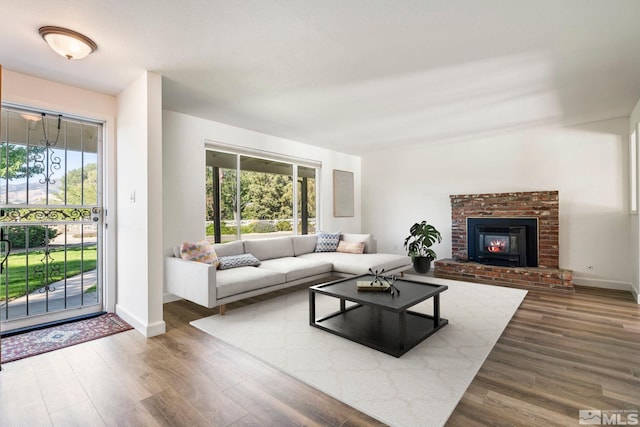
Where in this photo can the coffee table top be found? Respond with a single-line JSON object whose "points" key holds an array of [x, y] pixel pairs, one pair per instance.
{"points": [[411, 292]]}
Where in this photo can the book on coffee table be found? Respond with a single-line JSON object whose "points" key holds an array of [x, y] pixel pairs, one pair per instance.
{"points": [[367, 285]]}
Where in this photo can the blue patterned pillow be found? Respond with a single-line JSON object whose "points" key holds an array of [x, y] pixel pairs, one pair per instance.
{"points": [[327, 242], [234, 261]]}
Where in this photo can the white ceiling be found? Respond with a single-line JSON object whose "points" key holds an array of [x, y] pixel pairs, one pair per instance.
{"points": [[351, 75]]}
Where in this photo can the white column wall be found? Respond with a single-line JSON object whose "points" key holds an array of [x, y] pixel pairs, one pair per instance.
{"points": [[587, 164], [140, 260]]}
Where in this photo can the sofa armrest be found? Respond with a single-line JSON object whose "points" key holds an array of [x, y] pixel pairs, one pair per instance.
{"points": [[193, 281]]}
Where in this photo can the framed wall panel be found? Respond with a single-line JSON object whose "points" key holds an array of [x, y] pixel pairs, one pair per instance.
{"points": [[342, 193]]}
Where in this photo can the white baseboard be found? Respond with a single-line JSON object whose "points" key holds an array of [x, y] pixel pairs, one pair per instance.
{"points": [[148, 331], [156, 328], [606, 284]]}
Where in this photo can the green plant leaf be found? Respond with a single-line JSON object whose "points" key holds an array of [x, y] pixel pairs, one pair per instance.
{"points": [[421, 237]]}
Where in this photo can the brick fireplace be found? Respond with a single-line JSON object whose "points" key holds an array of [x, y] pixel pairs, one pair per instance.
{"points": [[541, 206]]}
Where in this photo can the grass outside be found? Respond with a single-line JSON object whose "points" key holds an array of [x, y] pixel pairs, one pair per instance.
{"points": [[78, 260]]}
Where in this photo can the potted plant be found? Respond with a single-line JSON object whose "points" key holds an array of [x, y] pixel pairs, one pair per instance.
{"points": [[418, 244]]}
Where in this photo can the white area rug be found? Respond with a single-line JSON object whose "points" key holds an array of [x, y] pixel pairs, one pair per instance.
{"points": [[422, 388]]}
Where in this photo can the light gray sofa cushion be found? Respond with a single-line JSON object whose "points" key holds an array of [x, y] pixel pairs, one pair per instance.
{"points": [[245, 279], [366, 238], [296, 268], [276, 247], [229, 249], [359, 263], [304, 244]]}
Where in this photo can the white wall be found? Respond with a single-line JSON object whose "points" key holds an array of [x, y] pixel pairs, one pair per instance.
{"points": [[635, 219], [139, 155], [184, 173], [24, 90], [587, 164]]}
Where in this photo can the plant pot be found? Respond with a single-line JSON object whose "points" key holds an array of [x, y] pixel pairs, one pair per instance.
{"points": [[422, 264]]}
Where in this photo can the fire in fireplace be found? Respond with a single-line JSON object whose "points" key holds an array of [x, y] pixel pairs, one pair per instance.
{"points": [[498, 244], [508, 242]]}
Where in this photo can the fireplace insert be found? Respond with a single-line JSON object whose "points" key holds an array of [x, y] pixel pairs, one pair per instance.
{"points": [[507, 242]]}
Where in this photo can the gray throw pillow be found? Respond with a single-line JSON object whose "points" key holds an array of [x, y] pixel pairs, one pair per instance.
{"points": [[234, 261], [327, 242]]}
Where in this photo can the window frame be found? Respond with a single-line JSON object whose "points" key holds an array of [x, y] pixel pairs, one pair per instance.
{"points": [[295, 163]]}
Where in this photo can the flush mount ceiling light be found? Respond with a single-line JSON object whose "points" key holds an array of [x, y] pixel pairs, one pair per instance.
{"points": [[68, 43], [31, 117]]}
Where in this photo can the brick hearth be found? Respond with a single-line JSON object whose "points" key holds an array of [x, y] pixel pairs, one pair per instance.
{"points": [[493, 275], [542, 205]]}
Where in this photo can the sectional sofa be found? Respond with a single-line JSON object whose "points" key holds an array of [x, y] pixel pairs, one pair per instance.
{"points": [[283, 262]]}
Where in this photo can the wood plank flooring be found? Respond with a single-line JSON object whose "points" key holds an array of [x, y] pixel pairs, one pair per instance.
{"points": [[560, 353]]}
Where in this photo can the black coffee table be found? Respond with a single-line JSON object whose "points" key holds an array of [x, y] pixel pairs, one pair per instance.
{"points": [[378, 319]]}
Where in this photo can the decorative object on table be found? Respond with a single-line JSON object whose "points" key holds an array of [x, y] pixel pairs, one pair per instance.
{"points": [[418, 244], [379, 283]]}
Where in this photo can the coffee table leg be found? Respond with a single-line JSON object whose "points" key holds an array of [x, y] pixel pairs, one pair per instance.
{"points": [[312, 307], [343, 305], [436, 310], [402, 331]]}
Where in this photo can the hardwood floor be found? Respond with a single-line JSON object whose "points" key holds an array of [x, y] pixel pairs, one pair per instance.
{"points": [[560, 353]]}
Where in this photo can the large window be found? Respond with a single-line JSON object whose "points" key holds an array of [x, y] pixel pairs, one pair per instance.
{"points": [[306, 200], [251, 197]]}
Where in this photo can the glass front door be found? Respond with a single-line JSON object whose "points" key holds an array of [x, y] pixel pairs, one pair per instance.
{"points": [[50, 218]]}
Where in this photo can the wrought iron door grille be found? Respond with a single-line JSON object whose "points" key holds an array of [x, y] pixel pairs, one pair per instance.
{"points": [[50, 212]]}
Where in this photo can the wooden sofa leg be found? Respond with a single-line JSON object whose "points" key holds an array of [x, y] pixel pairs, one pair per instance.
{"points": [[223, 309]]}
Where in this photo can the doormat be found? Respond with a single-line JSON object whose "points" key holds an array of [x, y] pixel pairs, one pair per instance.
{"points": [[31, 343]]}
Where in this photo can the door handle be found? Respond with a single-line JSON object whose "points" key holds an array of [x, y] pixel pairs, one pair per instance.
{"points": [[96, 214]]}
